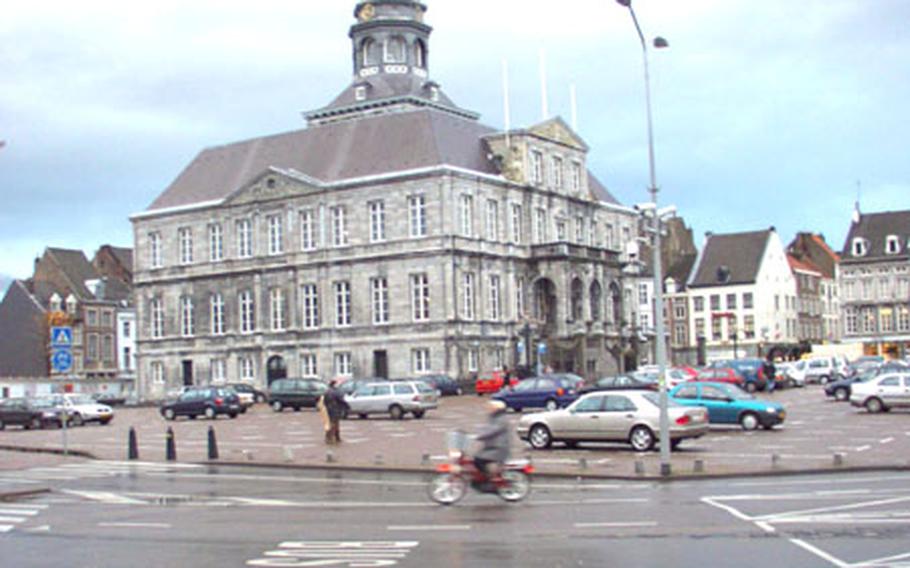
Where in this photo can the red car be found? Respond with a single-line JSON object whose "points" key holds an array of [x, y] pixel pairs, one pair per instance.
{"points": [[721, 375], [490, 383]]}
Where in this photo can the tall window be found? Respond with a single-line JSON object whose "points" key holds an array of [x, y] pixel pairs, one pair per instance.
{"points": [[749, 327], [903, 318], [576, 177], [516, 223], [216, 305], [216, 243], [308, 368], [540, 225], [343, 367], [91, 352], [377, 221], [495, 311], [580, 230], [467, 215], [868, 320], [342, 303], [156, 311], [716, 332], [310, 301], [247, 312], [185, 238], [155, 250], [307, 230], [420, 360], [420, 297], [394, 50], [276, 235], [536, 167], [244, 238], [492, 220], [748, 301], [276, 302], [731, 301], [247, 369], [557, 172], [417, 216], [520, 297], [852, 321], [715, 303], [379, 295], [468, 285], [473, 360], [156, 370], [218, 368], [187, 323], [339, 227]]}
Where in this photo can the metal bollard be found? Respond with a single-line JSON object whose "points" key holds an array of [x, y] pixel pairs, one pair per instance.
{"points": [[378, 459], [698, 466], [213, 445], [775, 461], [133, 451], [639, 467], [425, 459], [838, 459], [582, 463], [170, 445], [288, 454], [329, 456]]}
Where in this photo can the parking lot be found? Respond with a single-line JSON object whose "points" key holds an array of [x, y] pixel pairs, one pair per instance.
{"points": [[818, 434]]}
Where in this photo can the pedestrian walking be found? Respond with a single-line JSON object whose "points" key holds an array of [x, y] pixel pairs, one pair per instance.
{"points": [[770, 371], [336, 408]]}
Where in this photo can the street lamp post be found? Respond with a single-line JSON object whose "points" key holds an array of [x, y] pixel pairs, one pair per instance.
{"points": [[661, 348]]}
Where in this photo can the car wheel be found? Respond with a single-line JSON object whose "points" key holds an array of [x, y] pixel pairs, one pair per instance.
{"points": [[540, 437], [260, 398], [823, 380], [396, 412], [210, 413], [169, 414], [193, 416], [459, 391], [674, 444], [749, 421], [76, 420], [517, 409], [276, 406], [243, 410], [363, 416], [233, 415], [751, 387], [551, 404], [571, 444], [105, 421], [841, 394], [641, 438], [418, 413], [874, 405]]}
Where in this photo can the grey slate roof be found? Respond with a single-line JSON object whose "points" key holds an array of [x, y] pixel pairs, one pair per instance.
{"points": [[680, 270], [875, 228], [731, 259], [124, 256], [22, 348], [77, 269]]}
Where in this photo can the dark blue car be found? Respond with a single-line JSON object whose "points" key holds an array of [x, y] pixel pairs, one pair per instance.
{"points": [[549, 391], [751, 370]]}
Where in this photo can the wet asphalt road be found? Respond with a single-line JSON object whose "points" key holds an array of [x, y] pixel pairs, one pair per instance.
{"points": [[103, 514]]}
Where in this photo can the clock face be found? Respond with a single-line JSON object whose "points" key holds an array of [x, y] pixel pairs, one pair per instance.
{"points": [[366, 13]]}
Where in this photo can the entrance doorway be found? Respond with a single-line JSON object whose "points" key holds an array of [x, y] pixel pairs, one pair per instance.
{"points": [[277, 369], [381, 364], [187, 366]]}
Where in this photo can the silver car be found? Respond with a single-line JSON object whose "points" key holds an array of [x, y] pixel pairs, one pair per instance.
{"points": [[393, 397], [627, 416]]}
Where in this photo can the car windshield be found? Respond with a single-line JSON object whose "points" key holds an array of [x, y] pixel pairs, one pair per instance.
{"points": [[81, 399], [654, 398], [43, 403], [737, 393], [423, 387]]}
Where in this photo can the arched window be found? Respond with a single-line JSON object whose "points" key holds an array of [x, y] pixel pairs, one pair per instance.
{"points": [[578, 293], [368, 52], [420, 54], [545, 301], [395, 50], [596, 298], [616, 304]]}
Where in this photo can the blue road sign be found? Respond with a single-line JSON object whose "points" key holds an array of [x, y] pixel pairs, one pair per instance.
{"points": [[61, 337], [521, 346], [62, 360], [541, 348]]}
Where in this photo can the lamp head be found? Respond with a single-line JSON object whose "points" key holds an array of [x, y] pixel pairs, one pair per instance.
{"points": [[659, 42], [626, 3]]}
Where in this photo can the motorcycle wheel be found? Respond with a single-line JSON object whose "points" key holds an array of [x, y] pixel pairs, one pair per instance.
{"points": [[447, 488], [517, 486]]}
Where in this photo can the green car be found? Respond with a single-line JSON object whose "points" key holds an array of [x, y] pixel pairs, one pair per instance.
{"points": [[729, 404]]}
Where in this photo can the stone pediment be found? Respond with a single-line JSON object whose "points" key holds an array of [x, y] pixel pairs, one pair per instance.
{"points": [[556, 130], [274, 184]]}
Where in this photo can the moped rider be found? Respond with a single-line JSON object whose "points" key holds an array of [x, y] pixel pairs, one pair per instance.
{"points": [[495, 439]]}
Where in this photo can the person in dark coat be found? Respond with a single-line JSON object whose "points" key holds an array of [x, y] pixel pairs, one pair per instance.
{"points": [[770, 371], [336, 407], [495, 438]]}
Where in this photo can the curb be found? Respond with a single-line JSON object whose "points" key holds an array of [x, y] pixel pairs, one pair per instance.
{"points": [[16, 495], [55, 451]]}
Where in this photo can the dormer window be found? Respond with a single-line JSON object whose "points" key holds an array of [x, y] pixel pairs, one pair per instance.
{"points": [[576, 177], [420, 54], [71, 304], [892, 245], [536, 167], [360, 93], [434, 94], [394, 50], [859, 247], [56, 302]]}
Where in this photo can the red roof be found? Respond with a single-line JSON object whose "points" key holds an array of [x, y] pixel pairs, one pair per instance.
{"points": [[804, 265]]}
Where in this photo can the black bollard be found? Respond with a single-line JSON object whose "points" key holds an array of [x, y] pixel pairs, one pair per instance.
{"points": [[171, 445], [213, 445], [133, 452]]}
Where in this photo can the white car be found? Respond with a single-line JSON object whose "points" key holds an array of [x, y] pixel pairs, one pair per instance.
{"points": [[882, 393], [823, 370], [794, 371], [82, 408]]}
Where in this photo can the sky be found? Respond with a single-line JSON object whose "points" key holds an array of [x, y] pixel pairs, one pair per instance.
{"points": [[766, 113]]}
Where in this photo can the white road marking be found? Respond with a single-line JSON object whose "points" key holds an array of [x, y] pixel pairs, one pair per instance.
{"points": [[6, 528], [428, 527], [12, 519], [20, 481], [863, 448], [766, 527], [105, 497], [886, 440], [26, 507], [631, 524], [136, 525], [826, 481], [820, 553], [252, 437]]}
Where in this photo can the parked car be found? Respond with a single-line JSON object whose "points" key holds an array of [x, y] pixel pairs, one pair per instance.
{"points": [[750, 368], [793, 373], [246, 388], [82, 408], [882, 393], [864, 363], [348, 386], [548, 391], [842, 389], [825, 369], [395, 398], [204, 401], [21, 412], [53, 413], [109, 398], [632, 417], [493, 382], [729, 404], [446, 385], [620, 382], [295, 393], [721, 375]]}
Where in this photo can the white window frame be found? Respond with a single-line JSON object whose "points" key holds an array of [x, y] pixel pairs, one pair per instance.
{"points": [[580, 230], [156, 318], [493, 220], [308, 230], [156, 371], [309, 365], [276, 234], [469, 311], [245, 238], [155, 255], [557, 167], [417, 216], [536, 160], [216, 242], [247, 307], [892, 244], [576, 176], [247, 369], [277, 305], [218, 370], [420, 297], [187, 321], [216, 312], [342, 303], [309, 303], [420, 361], [473, 360], [494, 298], [339, 226], [467, 215], [185, 239], [379, 299], [343, 366], [516, 223], [377, 221], [540, 225]]}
